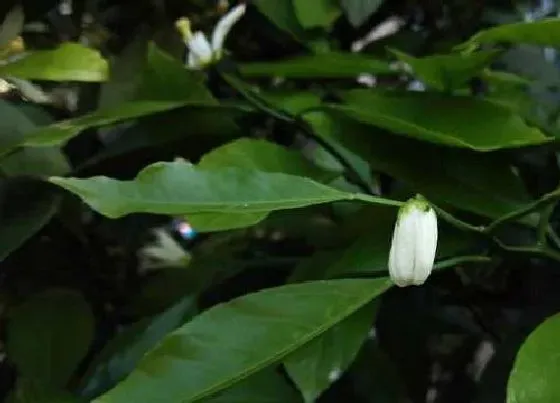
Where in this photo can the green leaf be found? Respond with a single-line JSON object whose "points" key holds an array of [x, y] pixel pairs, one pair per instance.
{"points": [[14, 125], [68, 62], [26, 211], [456, 121], [359, 11], [481, 183], [316, 13], [263, 156], [281, 13], [121, 354], [266, 386], [62, 131], [165, 85], [199, 360], [216, 221], [534, 377], [48, 336], [318, 364], [327, 65], [541, 33], [448, 72], [17, 121], [181, 188]]}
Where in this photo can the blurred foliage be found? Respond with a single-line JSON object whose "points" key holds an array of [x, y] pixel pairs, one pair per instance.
{"points": [[221, 234]]}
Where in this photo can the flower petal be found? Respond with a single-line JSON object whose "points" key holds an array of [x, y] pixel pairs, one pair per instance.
{"points": [[224, 26], [401, 255], [425, 247], [199, 48]]}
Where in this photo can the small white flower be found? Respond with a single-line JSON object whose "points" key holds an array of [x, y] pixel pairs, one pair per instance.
{"points": [[163, 252], [414, 244], [202, 52]]}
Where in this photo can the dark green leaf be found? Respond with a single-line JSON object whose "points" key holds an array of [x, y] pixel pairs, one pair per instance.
{"points": [[24, 215], [456, 121], [327, 65], [68, 62], [359, 11], [27, 391], [321, 362], [480, 183], [121, 354], [316, 13], [533, 378], [200, 360], [266, 386], [448, 72], [541, 33], [49, 335]]}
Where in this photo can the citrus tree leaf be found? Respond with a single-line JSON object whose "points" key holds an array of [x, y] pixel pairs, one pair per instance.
{"points": [[328, 65], [448, 72], [481, 183], [121, 354], [316, 13], [48, 336], [181, 188], [533, 378], [541, 33], [68, 62], [359, 11], [263, 156], [165, 85], [199, 360], [442, 119], [281, 13], [321, 362], [26, 210], [266, 386]]}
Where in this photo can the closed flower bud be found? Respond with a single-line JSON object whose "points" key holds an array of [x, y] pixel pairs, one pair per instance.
{"points": [[413, 248]]}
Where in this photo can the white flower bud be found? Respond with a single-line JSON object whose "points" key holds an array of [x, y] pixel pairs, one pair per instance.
{"points": [[413, 249]]}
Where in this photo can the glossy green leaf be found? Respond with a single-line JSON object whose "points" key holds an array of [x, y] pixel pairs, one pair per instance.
{"points": [[48, 336], [448, 72], [181, 188], [327, 65], [359, 11], [263, 156], [266, 386], [321, 362], [216, 221], [481, 183], [541, 33], [199, 360], [533, 378], [456, 121], [121, 354], [69, 62], [316, 13]]}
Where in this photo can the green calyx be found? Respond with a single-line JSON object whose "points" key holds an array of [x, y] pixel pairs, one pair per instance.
{"points": [[417, 202]]}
